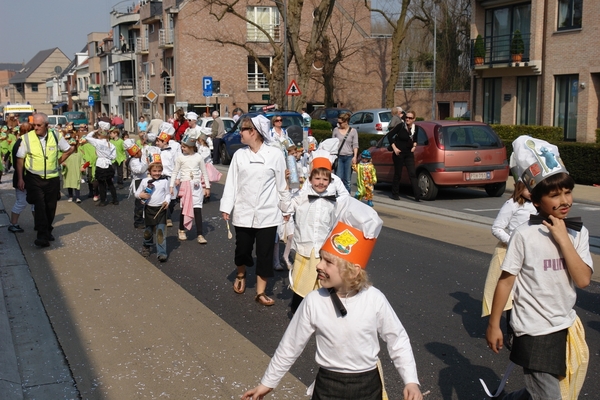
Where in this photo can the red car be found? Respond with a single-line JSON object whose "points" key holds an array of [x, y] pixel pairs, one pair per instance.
{"points": [[451, 154]]}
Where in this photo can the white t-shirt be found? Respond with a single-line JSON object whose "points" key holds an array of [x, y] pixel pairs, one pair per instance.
{"points": [[511, 216], [544, 293], [344, 344]]}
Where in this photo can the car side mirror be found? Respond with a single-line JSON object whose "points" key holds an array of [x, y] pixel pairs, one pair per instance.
{"points": [[373, 143]]}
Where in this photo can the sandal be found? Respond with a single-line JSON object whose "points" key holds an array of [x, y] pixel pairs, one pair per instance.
{"points": [[262, 298], [239, 285]]}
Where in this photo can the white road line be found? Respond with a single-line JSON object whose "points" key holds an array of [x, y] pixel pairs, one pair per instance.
{"points": [[482, 210]]}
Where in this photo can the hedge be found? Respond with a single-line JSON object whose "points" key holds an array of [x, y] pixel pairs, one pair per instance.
{"points": [[508, 133], [597, 135]]}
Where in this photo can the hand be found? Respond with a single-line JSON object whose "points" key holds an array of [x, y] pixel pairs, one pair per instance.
{"points": [[145, 195], [82, 169], [397, 151], [21, 184], [412, 392], [206, 192], [287, 174], [257, 393], [165, 204], [495, 338], [286, 218], [557, 228], [413, 149], [177, 182], [354, 160], [225, 216], [171, 191]]}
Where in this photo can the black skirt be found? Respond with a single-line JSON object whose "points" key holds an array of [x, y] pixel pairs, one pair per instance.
{"points": [[546, 353], [153, 217], [331, 385], [103, 174]]}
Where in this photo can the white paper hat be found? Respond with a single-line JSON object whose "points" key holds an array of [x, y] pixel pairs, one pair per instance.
{"points": [[533, 160], [329, 146], [263, 126], [104, 125], [191, 115], [168, 128]]}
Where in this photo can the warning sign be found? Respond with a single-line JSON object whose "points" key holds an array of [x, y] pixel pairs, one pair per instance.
{"points": [[293, 89]]}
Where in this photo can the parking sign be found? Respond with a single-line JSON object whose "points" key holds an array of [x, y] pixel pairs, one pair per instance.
{"points": [[91, 101], [207, 86]]}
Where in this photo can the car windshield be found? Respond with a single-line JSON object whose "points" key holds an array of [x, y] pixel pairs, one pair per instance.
{"points": [[335, 112], [75, 115], [471, 136], [385, 116]]}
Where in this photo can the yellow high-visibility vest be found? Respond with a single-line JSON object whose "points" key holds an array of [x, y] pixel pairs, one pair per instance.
{"points": [[42, 161]]}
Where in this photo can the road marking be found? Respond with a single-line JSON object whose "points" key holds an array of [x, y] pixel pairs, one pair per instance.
{"points": [[590, 208], [482, 210]]}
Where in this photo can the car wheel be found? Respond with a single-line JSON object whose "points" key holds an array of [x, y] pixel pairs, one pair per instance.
{"points": [[495, 189], [225, 159], [429, 189]]}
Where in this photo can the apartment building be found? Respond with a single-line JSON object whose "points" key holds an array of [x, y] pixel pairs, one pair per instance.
{"points": [[557, 80]]}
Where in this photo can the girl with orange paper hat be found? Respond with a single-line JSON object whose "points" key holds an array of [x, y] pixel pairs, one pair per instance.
{"points": [[106, 153], [346, 329], [139, 170]]}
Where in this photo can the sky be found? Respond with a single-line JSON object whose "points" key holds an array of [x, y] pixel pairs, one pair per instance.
{"points": [[29, 26]]}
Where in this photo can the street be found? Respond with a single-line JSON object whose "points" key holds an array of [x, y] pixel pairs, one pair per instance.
{"points": [[434, 286]]}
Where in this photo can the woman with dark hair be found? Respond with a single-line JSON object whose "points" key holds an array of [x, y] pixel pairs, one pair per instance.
{"points": [[254, 186], [348, 150], [403, 141], [180, 124]]}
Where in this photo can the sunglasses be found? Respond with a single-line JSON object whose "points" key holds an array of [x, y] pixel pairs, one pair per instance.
{"points": [[410, 117], [246, 128], [278, 120], [37, 125]]}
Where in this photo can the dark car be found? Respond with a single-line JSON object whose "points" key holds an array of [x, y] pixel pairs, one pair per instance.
{"points": [[231, 142], [451, 154], [329, 114]]}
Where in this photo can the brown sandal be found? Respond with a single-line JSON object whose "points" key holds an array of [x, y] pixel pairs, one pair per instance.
{"points": [[262, 298], [239, 285]]}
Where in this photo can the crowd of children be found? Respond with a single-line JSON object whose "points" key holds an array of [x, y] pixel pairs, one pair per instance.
{"points": [[539, 260]]}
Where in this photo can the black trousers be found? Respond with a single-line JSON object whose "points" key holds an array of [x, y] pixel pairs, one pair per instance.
{"points": [[216, 156], [138, 208], [405, 159], [43, 194], [331, 385], [265, 243], [197, 218], [119, 168]]}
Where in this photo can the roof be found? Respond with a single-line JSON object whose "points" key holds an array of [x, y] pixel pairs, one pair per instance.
{"points": [[10, 66], [33, 64]]}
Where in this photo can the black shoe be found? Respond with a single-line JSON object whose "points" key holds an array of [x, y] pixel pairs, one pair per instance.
{"points": [[41, 243], [139, 226], [15, 228], [120, 186], [102, 203], [115, 202], [395, 197], [50, 237]]}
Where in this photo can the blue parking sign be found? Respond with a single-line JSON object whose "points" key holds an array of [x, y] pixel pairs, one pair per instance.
{"points": [[91, 101], [207, 86]]}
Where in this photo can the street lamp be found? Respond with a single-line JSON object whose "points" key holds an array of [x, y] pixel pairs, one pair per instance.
{"points": [[285, 51]]}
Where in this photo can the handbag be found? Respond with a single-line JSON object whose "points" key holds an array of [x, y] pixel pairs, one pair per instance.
{"points": [[335, 163]]}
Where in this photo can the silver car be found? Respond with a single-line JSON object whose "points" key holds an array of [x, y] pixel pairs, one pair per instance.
{"points": [[375, 120]]}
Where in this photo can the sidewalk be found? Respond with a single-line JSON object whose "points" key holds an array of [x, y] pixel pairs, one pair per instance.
{"points": [[115, 321]]}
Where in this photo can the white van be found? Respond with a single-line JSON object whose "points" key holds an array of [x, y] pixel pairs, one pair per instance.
{"points": [[22, 111], [54, 120]]}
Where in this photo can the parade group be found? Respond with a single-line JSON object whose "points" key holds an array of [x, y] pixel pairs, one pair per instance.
{"points": [[276, 191]]}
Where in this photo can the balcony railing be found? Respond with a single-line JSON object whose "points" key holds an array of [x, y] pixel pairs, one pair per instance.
{"points": [[415, 80], [165, 38], [497, 49], [258, 82], [256, 35], [143, 86], [141, 46], [168, 86]]}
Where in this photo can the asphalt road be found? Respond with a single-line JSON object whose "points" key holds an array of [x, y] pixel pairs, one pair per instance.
{"points": [[435, 288]]}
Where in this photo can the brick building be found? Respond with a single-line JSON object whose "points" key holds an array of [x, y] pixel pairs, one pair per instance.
{"points": [[557, 81]]}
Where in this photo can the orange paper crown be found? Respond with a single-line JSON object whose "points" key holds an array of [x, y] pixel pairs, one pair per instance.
{"points": [[132, 151], [350, 244], [164, 136], [321, 162], [154, 158]]}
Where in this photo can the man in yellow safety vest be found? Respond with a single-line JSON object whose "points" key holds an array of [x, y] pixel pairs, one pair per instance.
{"points": [[40, 155]]}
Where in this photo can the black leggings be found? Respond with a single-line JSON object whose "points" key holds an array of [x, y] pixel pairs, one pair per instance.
{"points": [[197, 218], [102, 184]]}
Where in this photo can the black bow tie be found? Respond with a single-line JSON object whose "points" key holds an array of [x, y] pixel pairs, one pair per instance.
{"points": [[166, 148], [314, 196], [574, 223]]}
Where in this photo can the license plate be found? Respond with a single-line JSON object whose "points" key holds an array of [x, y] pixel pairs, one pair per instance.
{"points": [[478, 176]]}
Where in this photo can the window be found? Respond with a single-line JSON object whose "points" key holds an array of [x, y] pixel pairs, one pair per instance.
{"points": [[460, 108], [151, 28], [265, 17], [501, 24], [492, 100], [256, 79], [34, 87], [527, 100], [565, 104], [569, 14]]}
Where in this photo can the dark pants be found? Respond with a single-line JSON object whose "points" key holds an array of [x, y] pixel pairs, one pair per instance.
{"points": [[405, 159], [216, 156], [244, 242], [331, 385], [119, 168], [43, 194], [75, 191], [197, 218], [138, 209]]}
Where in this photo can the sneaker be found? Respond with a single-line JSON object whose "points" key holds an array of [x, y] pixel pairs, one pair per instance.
{"points": [[370, 203], [78, 201], [181, 235], [169, 223], [145, 251], [70, 200], [201, 239], [41, 243], [162, 258], [15, 228], [96, 198], [395, 197]]}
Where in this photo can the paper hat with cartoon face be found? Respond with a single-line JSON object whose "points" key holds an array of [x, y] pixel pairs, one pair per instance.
{"points": [[188, 140], [164, 137], [533, 160], [154, 158], [353, 237], [131, 148]]}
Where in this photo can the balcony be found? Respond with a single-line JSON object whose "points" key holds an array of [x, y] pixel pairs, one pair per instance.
{"points": [[143, 87], [256, 35], [150, 13], [414, 80], [141, 46], [258, 82], [168, 86], [497, 51], [165, 38]]}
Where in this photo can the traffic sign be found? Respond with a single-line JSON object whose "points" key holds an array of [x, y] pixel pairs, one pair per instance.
{"points": [[293, 89], [207, 86], [151, 95], [91, 101]]}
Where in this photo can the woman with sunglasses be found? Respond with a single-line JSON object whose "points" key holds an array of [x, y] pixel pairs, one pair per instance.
{"points": [[403, 143], [254, 186], [279, 135], [348, 150]]}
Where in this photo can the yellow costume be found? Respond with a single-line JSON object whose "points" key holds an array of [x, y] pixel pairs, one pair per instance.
{"points": [[365, 180]]}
